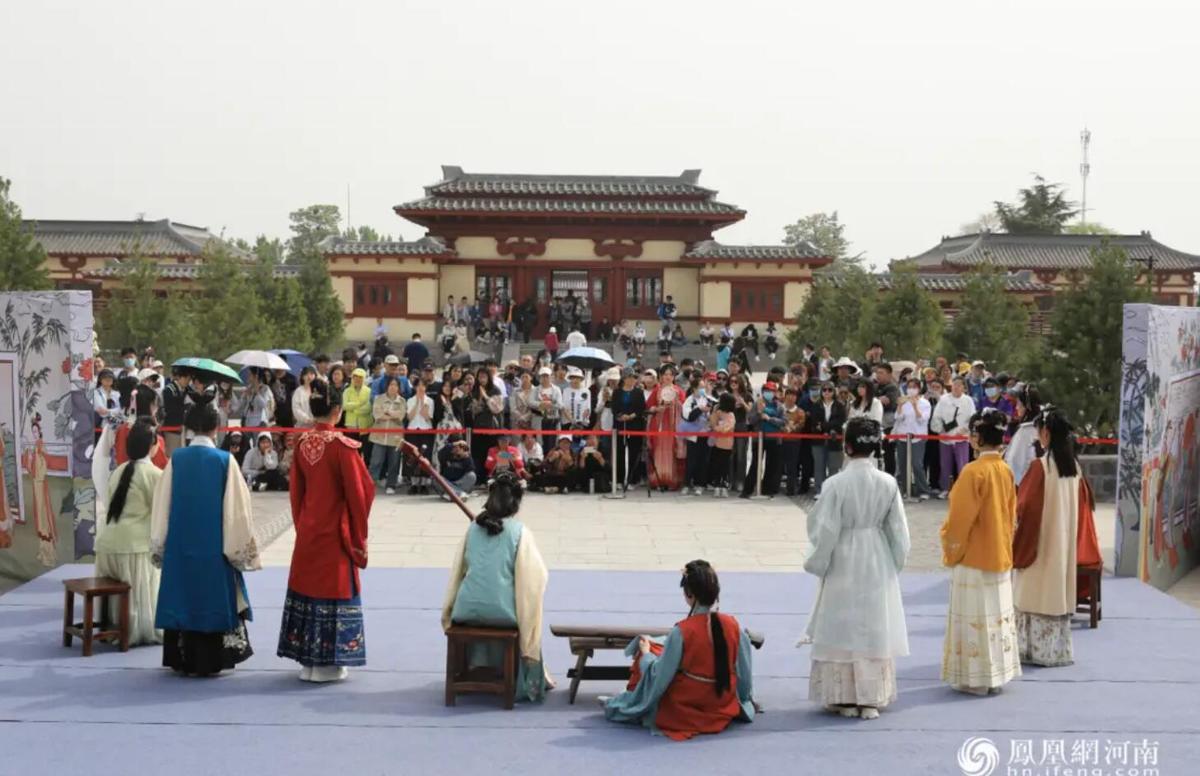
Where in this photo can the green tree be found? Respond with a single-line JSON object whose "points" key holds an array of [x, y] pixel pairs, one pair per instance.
{"points": [[267, 251], [22, 258], [1042, 208], [365, 234], [1080, 366], [230, 316], [1088, 228], [282, 305], [826, 233], [139, 314], [992, 324], [832, 314], [310, 226], [906, 320]]}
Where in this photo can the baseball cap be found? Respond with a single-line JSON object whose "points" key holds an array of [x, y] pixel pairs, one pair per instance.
{"points": [[392, 359]]}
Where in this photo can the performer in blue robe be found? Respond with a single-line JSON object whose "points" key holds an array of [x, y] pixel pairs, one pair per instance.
{"points": [[202, 536]]}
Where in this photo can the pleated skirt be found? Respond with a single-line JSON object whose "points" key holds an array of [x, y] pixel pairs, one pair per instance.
{"points": [[135, 570], [980, 650], [322, 631]]}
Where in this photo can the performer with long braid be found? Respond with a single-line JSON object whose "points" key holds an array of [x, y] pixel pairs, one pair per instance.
{"points": [[698, 679]]}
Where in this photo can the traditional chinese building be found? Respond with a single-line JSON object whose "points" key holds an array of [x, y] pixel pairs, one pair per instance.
{"points": [[947, 289], [1059, 260], [626, 242], [89, 255]]}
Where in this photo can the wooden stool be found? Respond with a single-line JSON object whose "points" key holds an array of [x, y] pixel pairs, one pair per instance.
{"points": [[461, 680], [92, 588], [1090, 604]]}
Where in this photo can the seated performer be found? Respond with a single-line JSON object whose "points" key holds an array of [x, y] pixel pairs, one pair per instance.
{"points": [[498, 578], [123, 547], [859, 538], [332, 492], [201, 534], [980, 652], [1056, 533], [698, 680]]}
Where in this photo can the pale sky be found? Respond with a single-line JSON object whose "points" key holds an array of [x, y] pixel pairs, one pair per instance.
{"points": [[907, 118]]}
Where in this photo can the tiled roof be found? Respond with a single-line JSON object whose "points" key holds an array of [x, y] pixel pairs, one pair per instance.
{"points": [[180, 271], [603, 207], [1052, 251], [565, 195], [714, 251], [948, 281], [426, 246], [457, 182], [120, 238]]}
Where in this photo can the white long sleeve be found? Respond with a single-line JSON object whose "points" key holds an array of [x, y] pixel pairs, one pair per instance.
{"points": [[237, 528]]}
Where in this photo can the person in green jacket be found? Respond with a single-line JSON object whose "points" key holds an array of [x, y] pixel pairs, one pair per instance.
{"points": [[356, 409]]}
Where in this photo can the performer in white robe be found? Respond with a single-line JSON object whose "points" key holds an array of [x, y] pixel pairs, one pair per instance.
{"points": [[859, 536]]}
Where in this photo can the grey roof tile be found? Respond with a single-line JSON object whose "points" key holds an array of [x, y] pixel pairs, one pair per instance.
{"points": [[426, 246], [948, 281], [1053, 251], [120, 238], [457, 182], [568, 206], [713, 250], [180, 271]]}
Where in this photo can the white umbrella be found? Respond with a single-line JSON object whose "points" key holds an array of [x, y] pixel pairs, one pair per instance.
{"points": [[257, 358]]}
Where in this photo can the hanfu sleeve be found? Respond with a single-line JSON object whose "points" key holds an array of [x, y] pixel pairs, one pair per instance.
{"points": [[297, 484], [657, 674], [530, 580], [895, 528], [824, 528], [745, 678], [1030, 500], [360, 494], [240, 545], [458, 570], [160, 513], [964, 511]]}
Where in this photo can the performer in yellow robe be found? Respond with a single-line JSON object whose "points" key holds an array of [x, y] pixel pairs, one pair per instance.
{"points": [[980, 651]]}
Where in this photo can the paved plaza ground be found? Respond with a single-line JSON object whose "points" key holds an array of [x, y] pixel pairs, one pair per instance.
{"points": [[1133, 687]]}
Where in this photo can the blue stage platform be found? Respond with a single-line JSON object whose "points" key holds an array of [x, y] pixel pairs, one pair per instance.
{"points": [[1135, 680]]}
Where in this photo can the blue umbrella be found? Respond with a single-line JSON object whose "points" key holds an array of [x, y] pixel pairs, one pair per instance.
{"points": [[295, 359], [587, 358]]}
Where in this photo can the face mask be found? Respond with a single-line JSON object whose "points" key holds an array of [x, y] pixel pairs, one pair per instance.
{"points": [[130, 363], [768, 395], [913, 392], [991, 392]]}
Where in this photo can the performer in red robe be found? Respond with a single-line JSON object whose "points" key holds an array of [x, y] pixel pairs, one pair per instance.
{"points": [[698, 679], [331, 493]]}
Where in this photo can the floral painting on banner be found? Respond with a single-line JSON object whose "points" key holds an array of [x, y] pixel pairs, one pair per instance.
{"points": [[47, 341]]}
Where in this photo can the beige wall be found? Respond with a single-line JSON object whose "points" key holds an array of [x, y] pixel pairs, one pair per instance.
{"points": [[399, 329], [561, 249], [794, 295], [714, 300], [660, 250], [750, 270], [344, 288], [423, 296], [684, 286], [477, 248], [458, 280]]}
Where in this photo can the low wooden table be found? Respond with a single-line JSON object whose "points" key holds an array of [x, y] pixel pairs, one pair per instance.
{"points": [[92, 588], [461, 680], [584, 640]]}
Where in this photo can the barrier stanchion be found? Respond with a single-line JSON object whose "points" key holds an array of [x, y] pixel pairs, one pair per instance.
{"points": [[762, 458], [908, 473], [612, 463]]}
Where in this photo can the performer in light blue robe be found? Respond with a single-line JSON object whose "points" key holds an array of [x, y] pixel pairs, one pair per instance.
{"points": [[202, 536], [498, 578], [859, 542]]}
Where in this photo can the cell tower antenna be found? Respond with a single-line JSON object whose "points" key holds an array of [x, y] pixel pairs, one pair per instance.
{"points": [[1085, 167]]}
